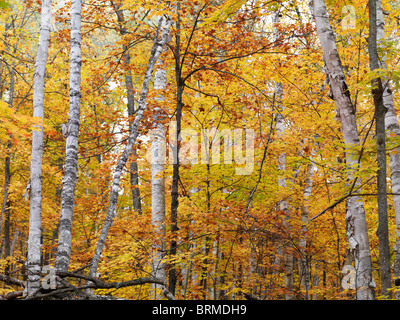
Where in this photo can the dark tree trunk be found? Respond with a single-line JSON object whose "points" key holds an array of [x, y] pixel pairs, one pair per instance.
{"points": [[175, 175], [380, 111]]}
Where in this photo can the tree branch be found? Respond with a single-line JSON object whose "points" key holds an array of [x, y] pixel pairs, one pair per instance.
{"points": [[10, 280], [92, 283], [344, 198]]}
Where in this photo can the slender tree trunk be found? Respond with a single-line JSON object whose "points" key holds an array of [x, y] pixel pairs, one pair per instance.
{"points": [[221, 278], [392, 128], [7, 176], [158, 156], [175, 193], [204, 271], [5, 210], [380, 111], [14, 241], [284, 206], [156, 50], [34, 244], [134, 174], [357, 232], [71, 150], [304, 274], [172, 272], [191, 247]]}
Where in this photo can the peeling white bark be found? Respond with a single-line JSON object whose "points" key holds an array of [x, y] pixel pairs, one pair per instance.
{"points": [[34, 242], [158, 156], [357, 232], [71, 150]]}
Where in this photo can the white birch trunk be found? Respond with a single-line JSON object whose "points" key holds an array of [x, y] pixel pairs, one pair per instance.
{"points": [[392, 128], [284, 206], [156, 50], [357, 232], [71, 150], [158, 156], [34, 242], [280, 131], [305, 210]]}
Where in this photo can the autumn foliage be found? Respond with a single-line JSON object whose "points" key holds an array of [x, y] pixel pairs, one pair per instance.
{"points": [[235, 239]]}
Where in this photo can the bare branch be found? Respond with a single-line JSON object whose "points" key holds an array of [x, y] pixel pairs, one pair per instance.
{"points": [[11, 280]]}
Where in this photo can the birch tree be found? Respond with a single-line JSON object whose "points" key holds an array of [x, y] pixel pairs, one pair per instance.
{"points": [[284, 206], [34, 238], [305, 210], [71, 151], [357, 232], [160, 40], [158, 153]]}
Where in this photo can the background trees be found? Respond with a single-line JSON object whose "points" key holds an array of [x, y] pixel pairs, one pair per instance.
{"points": [[223, 66]]}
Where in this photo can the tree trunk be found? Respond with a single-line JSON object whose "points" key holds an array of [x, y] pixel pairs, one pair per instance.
{"points": [[14, 241], [303, 270], [158, 156], [157, 48], [380, 111], [357, 232], [134, 175], [71, 150], [392, 128], [7, 164], [5, 210], [34, 244], [284, 206], [204, 271], [175, 171]]}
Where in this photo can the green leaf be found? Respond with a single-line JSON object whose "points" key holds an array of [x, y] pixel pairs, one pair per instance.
{"points": [[4, 4]]}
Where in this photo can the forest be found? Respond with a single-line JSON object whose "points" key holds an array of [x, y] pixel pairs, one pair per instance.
{"points": [[199, 150]]}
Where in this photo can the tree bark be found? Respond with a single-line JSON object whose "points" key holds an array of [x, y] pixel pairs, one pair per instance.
{"points": [[134, 175], [357, 232], [392, 128], [5, 210], [284, 206], [71, 150], [34, 244], [158, 156], [156, 50], [380, 111], [175, 171], [305, 210]]}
